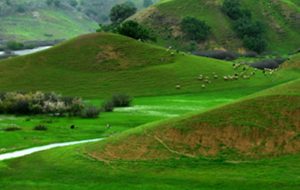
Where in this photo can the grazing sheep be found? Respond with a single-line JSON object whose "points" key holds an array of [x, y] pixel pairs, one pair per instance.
{"points": [[206, 81], [203, 86], [200, 77], [246, 77], [178, 86], [225, 78], [216, 76]]}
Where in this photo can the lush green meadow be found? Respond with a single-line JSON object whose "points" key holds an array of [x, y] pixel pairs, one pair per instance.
{"points": [[168, 97]]}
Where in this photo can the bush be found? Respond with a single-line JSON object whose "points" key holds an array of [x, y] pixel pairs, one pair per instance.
{"points": [[195, 29], [13, 128], [134, 30], [121, 100], [268, 64], [40, 128], [12, 45], [218, 54], [257, 44], [249, 31], [108, 106], [90, 112], [39, 103]]}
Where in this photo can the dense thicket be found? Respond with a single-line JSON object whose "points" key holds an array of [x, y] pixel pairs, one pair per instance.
{"points": [[195, 29], [251, 32]]}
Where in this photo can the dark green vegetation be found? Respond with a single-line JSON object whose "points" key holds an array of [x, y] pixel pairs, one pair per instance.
{"points": [[278, 18], [195, 29], [251, 32], [134, 30]]}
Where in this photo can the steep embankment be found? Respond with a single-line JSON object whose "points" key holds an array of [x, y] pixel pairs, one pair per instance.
{"points": [[266, 124], [280, 18]]}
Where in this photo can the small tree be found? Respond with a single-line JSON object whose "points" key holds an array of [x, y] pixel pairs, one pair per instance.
{"points": [[121, 12], [195, 29], [134, 30]]}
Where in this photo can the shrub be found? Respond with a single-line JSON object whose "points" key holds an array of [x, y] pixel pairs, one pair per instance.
{"points": [[121, 100], [268, 64], [257, 44], [90, 112], [40, 128], [134, 30], [13, 45], [13, 128], [195, 29], [39, 103], [108, 106], [218, 54]]}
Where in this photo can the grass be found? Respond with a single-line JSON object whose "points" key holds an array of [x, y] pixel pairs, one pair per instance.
{"points": [[282, 33], [68, 168], [145, 110], [158, 105], [79, 64], [49, 24]]}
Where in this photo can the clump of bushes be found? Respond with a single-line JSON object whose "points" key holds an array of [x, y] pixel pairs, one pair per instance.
{"points": [[118, 100], [121, 100], [134, 30], [13, 45], [108, 106], [40, 128], [218, 54], [21, 103], [90, 112], [195, 29], [252, 33], [269, 63], [12, 128]]}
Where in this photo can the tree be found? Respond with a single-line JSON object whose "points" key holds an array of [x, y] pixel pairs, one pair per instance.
{"points": [[232, 8], [256, 43], [122, 11], [134, 30], [148, 3], [195, 29]]}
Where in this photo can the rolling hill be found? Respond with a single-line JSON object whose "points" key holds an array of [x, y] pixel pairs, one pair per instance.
{"points": [[53, 20], [280, 18], [101, 64], [264, 125]]}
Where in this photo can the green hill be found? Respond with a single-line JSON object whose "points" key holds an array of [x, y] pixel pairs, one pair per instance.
{"points": [[263, 125], [100, 64], [46, 20], [278, 17]]}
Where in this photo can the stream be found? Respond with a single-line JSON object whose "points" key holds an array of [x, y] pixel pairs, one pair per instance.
{"points": [[25, 152]]}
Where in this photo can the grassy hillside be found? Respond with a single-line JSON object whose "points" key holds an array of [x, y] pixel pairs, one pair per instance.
{"points": [[98, 65], [279, 18], [266, 124], [45, 24], [50, 20]]}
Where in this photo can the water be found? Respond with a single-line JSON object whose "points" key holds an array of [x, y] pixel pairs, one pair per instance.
{"points": [[25, 152], [28, 51]]}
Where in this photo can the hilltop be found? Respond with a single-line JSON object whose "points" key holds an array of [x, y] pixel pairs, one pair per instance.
{"points": [[279, 18]]}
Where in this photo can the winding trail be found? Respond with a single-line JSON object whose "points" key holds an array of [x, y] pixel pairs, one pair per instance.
{"points": [[25, 152]]}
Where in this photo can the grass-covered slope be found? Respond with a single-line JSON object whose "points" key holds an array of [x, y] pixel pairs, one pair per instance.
{"points": [[45, 24], [260, 126], [278, 16], [100, 64]]}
